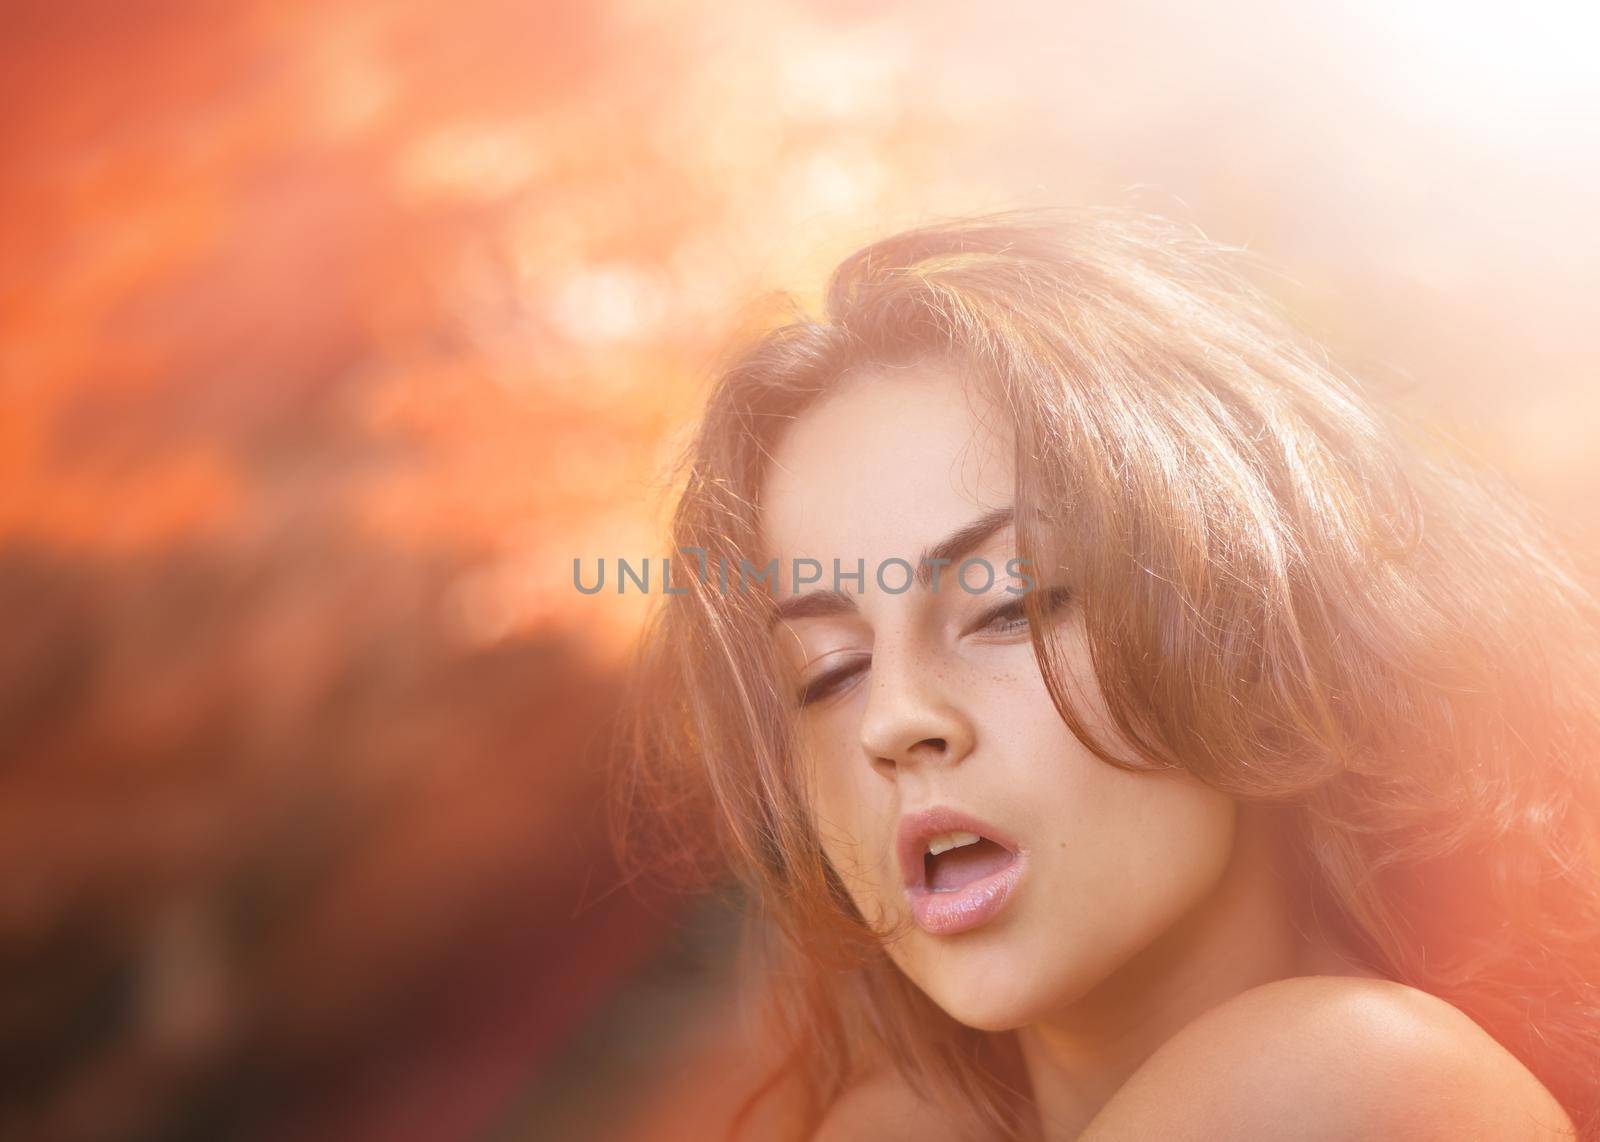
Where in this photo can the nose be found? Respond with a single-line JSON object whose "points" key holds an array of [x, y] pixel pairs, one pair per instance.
{"points": [[910, 714]]}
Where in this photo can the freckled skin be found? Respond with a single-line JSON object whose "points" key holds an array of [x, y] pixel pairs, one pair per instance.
{"points": [[948, 713]]}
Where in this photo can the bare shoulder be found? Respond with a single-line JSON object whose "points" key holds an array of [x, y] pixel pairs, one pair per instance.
{"points": [[1332, 1057], [884, 1106]]}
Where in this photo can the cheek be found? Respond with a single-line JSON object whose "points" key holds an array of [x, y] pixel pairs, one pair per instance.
{"points": [[1139, 854], [1163, 834], [1163, 842], [1120, 857]]}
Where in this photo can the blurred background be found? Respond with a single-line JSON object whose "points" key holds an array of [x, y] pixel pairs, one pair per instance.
{"points": [[330, 333]]}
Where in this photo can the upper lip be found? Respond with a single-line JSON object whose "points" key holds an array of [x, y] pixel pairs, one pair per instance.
{"points": [[916, 829]]}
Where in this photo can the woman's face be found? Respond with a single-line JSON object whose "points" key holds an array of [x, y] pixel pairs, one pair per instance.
{"points": [[921, 699]]}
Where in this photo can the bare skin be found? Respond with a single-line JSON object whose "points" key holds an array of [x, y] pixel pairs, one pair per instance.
{"points": [[1327, 1058], [1149, 961]]}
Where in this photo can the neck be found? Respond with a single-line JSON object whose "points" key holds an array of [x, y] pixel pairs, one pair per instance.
{"points": [[1242, 935]]}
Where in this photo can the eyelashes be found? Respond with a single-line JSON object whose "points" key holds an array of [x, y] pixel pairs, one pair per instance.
{"points": [[831, 681], [1004, 619], [1007, 618], [1010, 617]]}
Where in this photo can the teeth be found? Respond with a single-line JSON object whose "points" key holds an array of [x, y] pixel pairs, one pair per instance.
{"points": [[944, 842]]}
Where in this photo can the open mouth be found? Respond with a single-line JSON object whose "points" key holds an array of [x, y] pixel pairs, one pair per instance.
{"points": [[959, 871], [955, 860]]}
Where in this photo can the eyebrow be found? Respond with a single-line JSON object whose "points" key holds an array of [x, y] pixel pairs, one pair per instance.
{"points": [[959, 543]]}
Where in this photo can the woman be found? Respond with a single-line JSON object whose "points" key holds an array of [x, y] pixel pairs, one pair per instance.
{"points": [[1125, 728]]}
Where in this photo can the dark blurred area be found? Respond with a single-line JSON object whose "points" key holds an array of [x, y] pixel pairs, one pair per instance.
{"points": [[331, 333]]}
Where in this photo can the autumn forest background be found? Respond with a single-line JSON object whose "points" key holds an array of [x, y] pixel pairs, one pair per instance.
{"points": [[331, 333]]}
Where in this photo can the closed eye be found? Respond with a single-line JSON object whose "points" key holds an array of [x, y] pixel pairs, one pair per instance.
{"points": [[1006, 620], [1010, 618], [830, 682]]}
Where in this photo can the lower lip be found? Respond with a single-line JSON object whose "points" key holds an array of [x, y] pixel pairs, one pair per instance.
{"points": [[965, 908]]}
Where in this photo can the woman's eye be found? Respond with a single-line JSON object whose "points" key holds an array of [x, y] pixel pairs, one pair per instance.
{"points": [[1010, 618], [829, 682]]}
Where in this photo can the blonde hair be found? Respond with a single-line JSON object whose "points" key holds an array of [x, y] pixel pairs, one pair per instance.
{"points": [[1289, 589]]}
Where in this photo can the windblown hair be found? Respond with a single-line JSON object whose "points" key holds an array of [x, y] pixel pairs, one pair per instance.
{"points": [[1290, 590]]}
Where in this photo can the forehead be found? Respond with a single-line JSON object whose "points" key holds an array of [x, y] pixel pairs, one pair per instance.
{"points": [[892, 460]]}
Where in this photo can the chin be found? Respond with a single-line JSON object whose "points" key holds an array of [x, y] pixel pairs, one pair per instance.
{"points": [[992, 991], [1000, 1010], [1001, 996], [989, 1017]]}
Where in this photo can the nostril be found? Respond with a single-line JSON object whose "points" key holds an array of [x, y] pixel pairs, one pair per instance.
{"points": [[925, 750]]}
